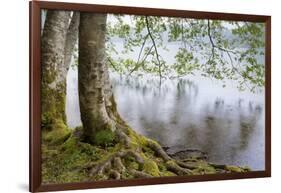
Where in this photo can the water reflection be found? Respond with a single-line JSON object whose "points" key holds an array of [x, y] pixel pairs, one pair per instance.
{"points": [[196, 113], [190, 113]]}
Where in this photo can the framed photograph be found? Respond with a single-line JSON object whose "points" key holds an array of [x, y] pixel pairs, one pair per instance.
{"points": [[123, 96]]}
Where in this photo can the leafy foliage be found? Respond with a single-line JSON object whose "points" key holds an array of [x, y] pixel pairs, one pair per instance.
{"points": [[216, 49]]}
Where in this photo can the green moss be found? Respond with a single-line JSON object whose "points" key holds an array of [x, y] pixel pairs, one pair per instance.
{"points": [[113, 110], [126, 175], [69, 160], [204, 170], [246, 169], [69, 145], [133, 165], [100, 177], [161, 166], [163, 169], [113, 104], [64, 163], [171, 163], [147, 151], [104, 138], [167, 173], [48, 153], [58, 135], [151, 168], [234, 169], [52, 101], [46, 121], [138, 140]]}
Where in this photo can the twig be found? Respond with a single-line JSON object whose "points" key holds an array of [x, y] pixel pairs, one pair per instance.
{"points": [[155, 47], [224, 50], [142, 46], [111, 63], [214, 45], [142, 62], [138, 64], [182, 34]]}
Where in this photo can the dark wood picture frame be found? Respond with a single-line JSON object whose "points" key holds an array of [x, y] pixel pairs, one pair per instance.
{"points": [[35, 78]]}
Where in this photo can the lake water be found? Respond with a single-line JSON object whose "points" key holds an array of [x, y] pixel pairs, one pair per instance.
{"points": [[192, 112]]}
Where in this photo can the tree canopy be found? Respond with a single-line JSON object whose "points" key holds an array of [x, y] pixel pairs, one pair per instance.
{"points": [[223, 50]]}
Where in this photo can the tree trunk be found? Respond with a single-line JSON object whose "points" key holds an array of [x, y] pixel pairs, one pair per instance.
{"points": [[99, 115], [71, 38], [93, 78], [53, 86]]}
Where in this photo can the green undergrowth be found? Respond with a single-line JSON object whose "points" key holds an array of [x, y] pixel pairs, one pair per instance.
{"points": [[65, 158], [67, 161]]}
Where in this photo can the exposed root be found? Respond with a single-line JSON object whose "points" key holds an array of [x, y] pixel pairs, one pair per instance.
{"points": [[185, 165], [135, 155], [114, 174], [114, 162], [218, 166], [229, 168], [139, 174], [101, 168], [128, 155], [113, 166], [139, 158], [122, 137], [158, 150], [118, 165], [174, 167]]}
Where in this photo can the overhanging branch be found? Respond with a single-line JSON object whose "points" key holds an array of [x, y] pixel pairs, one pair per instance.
{"points": [[228, 52], [155, 47]]}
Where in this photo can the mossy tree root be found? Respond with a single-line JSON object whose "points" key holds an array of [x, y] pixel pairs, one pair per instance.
{"points": [[174, 167], [139, 174], [133, 146], [113, 164]]}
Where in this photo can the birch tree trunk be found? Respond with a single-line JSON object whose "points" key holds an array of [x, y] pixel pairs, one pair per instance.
{"points": [[99, 115], [53, 86], [93, 79], [71, 38]]}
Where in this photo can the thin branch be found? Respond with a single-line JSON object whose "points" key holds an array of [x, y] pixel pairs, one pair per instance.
{"points": [[112, 64], [224, 50], [155, 47], [142, 46], [220, 48], [214, 45], [138, 64], [142, 62], [211, 40], [182, 35]]}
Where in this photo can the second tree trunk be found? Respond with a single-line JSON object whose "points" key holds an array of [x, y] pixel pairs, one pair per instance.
{"points": [[93, 79]]}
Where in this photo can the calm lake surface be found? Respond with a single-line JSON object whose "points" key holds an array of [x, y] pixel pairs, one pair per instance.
{"points": [[192, 112]]}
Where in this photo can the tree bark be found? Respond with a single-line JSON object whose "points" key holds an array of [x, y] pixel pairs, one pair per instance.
{"points": [[93, 79], [98, 108], [71, 38], [53, 86], [99, 113]]}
